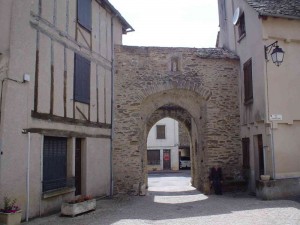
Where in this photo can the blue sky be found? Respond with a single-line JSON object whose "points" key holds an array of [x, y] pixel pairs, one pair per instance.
{"points": [[170, 23]]}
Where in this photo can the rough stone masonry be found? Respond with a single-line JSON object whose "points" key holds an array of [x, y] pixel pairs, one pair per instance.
{"points": [[197, 87]]}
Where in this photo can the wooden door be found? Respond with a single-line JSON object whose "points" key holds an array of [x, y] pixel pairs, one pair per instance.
{"points": [[78, 167], [167, 159]]}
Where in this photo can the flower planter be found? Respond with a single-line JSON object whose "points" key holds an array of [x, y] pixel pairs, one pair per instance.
{"points": [[11, 218], [265, 177], [73, 209]]}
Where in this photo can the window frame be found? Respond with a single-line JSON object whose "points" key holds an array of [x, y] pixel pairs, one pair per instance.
{"points": [[163, 137], [157, 161], [248, 82], [82, 94]]}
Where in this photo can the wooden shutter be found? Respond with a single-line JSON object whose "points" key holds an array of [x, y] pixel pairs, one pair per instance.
{"points": [[246, 153], [84, 13], [82, 79], [160, 132], [248, 86]]}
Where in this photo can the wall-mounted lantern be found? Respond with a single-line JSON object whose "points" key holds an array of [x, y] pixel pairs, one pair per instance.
{"points": [[277, 54]]}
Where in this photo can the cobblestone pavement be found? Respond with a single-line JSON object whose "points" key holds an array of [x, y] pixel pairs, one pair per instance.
{"points": [[171, 200]]}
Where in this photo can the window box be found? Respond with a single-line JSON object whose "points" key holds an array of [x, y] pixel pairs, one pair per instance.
{"points": [[11, 218], [74, 209]]}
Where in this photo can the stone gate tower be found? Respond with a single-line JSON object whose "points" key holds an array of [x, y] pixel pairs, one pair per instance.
{"points": [[197, 87]]}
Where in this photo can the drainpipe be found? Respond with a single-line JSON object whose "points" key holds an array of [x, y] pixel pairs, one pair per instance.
{"points": [[272, 125], [28, 178], [112, 107]]}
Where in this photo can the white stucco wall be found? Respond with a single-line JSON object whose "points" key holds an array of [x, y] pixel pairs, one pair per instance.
{"points": [[170, 142]]}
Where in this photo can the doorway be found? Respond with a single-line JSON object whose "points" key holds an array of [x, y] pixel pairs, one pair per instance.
{"points": [[166, 159]]}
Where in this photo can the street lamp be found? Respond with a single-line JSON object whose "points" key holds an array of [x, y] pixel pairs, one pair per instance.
{"points": [[277, 54]]}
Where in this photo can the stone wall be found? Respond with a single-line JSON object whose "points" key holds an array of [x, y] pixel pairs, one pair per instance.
{"points": [[198, 87]]}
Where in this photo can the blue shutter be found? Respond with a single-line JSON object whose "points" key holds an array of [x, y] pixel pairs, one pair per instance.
{"points": [[84, 13], [82, 79]]}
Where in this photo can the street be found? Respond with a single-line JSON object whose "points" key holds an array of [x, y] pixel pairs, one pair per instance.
{"points": [[172, 200]]}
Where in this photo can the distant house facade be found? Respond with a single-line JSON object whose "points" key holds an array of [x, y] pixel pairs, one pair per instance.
{"points": [[162, 146], [269, 94], [56, 68]]}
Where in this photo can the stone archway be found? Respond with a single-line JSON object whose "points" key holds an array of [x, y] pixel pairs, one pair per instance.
{"points": [[202, 93], [185, 106]]}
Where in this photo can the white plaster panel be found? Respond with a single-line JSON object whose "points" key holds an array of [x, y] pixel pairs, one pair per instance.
{"points": [[58, 107], [108, 43], [108, 96], [44, 84], [83, 37], [70, 83], [117, 32], [22, 53], [48, 10], [103, 31], [35, 174], [61, 15], [101, 83], [35, 6], [95, 26], [5, 16], [93, 93], [72, 18], [14, 156], [97, 166]]}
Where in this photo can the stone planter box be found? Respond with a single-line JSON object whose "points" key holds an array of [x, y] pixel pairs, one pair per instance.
{"points": [[73, 209], [11, 218]]}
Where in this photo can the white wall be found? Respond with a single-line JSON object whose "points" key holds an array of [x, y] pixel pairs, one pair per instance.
{"points": [[170, 142]]}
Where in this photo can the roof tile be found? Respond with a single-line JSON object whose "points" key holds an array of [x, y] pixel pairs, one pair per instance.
{"points": [[277, 8]]}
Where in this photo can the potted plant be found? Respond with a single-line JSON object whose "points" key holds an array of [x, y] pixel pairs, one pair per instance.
{"points": [[78, 206], [11, 213]]}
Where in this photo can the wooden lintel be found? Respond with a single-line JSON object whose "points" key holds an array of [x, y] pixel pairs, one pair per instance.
{"points": [[71, 121], [64, 133]]}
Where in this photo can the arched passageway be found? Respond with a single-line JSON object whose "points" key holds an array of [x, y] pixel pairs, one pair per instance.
{"points": [[179, 105], [201, 92]]}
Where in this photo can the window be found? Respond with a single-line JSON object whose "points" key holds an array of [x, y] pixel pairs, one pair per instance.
{"points": [[246, 153], [153, 157], [82, 79], [84, 13], [241, 26], [160, 132], [54, 163], [248, 87], [174, 64]]}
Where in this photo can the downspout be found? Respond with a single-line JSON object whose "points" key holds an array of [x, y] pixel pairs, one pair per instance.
{"points": [[112, 107], [272, 125], [28, 178]]}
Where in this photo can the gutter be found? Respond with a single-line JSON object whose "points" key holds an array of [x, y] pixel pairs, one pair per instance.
{"points": [[278, 16], [107, 5]]}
